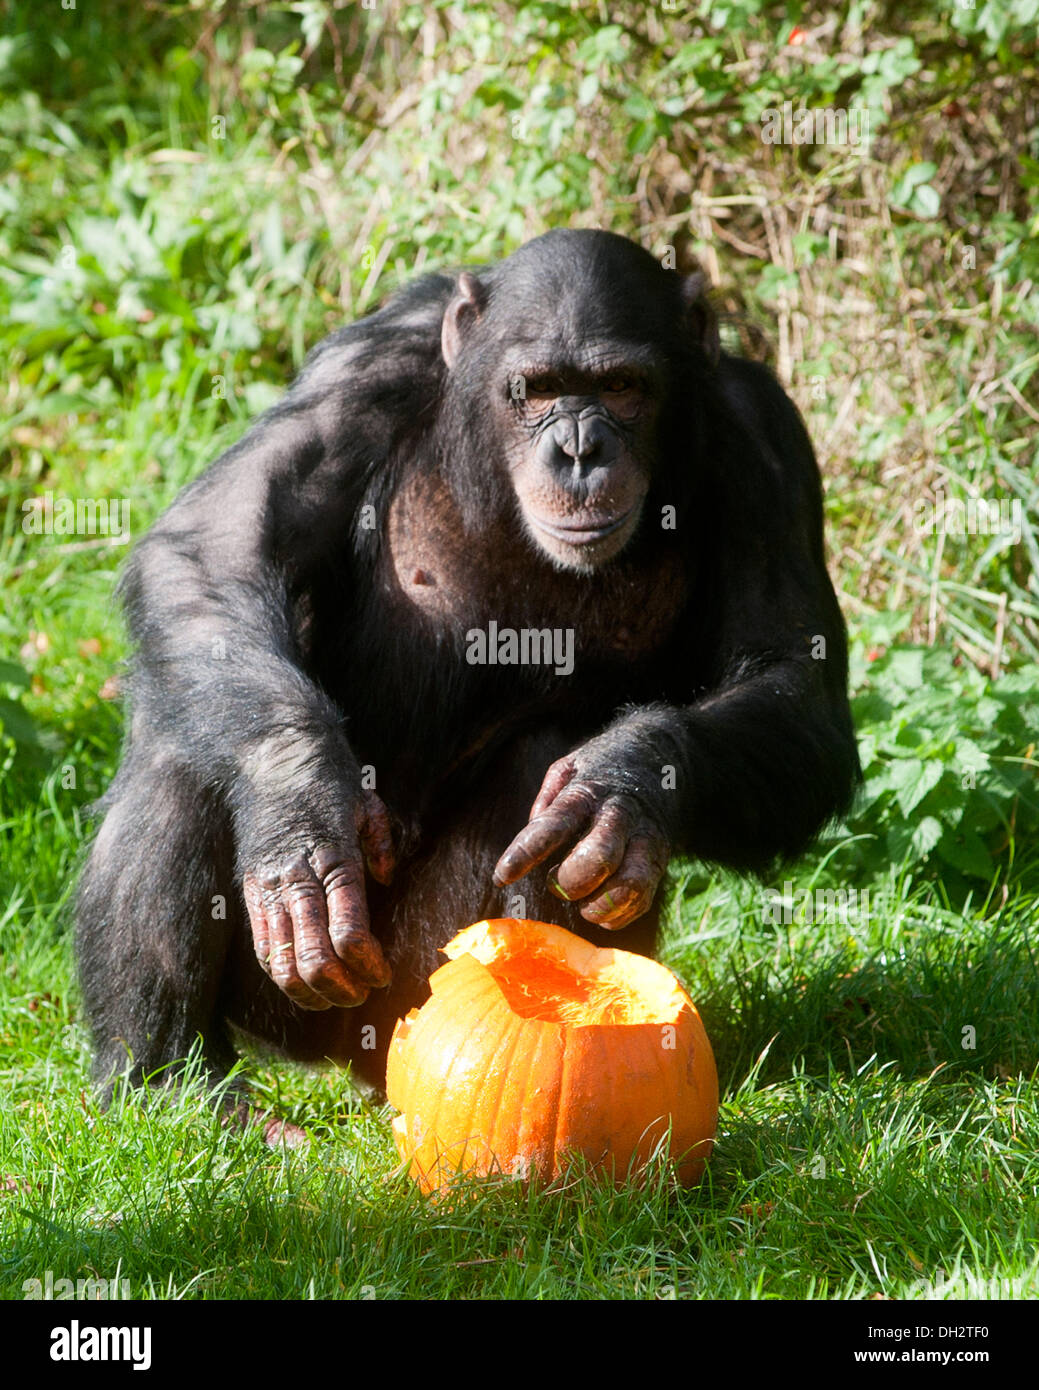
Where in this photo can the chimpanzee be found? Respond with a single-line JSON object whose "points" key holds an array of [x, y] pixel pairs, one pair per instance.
{"points": [[518, 592]]}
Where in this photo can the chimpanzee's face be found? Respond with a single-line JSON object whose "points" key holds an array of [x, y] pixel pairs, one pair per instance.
{"points": [[562, 361], [579, 436]]}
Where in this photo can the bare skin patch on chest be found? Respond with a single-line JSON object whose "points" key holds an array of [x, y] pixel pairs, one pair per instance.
{"points": [[433, 569]]}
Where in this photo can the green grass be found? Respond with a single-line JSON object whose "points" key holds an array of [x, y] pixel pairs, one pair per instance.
{"points": [[879, 1132], [922, 1192], [862, 1150]]}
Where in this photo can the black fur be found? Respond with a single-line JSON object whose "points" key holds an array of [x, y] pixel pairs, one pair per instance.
{"points": [[276, 654]]}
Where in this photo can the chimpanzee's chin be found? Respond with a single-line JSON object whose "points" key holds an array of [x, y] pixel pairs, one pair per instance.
{"points": [[586, 549], [581, 559]]}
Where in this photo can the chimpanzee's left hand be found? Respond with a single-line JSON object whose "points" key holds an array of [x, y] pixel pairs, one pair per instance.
{"points": [[622, 850]]}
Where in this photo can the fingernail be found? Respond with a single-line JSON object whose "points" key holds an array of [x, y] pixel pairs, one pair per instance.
{"points": [[597, 909], [554, 887]]}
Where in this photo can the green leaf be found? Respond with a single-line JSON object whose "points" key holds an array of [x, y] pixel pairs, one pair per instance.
{"points": [[12, 673], [926, 201], [912, 779], [16, 722], [966, 851], [969, 757], [588, 90], [905, 666], [914, 842]]}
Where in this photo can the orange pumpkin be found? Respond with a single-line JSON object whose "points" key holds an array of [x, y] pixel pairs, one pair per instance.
{"points": [[537, 1045]]}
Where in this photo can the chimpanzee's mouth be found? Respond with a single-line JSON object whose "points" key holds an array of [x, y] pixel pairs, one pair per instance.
{"points": [[583, 530]]}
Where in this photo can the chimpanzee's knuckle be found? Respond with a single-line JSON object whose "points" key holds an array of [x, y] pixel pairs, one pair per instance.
{"points": [[268, 879], [329, 856], [341, 876]]}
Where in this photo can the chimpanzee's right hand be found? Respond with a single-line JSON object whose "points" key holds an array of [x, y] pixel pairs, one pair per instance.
{"points": [[309, 913]]}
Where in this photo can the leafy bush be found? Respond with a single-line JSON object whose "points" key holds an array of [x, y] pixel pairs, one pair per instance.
{"points": [[949, 759]]}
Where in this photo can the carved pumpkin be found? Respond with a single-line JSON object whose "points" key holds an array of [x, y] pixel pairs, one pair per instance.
{"points": [[537, 1045]]}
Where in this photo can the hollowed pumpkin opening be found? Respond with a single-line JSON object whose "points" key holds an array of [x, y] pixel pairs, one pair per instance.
{"points": [[551, 976], [542, 984]]}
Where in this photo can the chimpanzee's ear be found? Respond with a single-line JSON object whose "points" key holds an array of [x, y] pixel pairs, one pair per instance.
{"points": [[461, 313], [701, 320]]}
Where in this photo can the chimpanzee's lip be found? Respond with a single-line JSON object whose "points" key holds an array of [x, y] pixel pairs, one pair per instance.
{"points": [[583, 530]]}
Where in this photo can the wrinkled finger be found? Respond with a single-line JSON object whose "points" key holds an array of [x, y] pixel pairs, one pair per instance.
{"points": [[596, 857], [568, 816], [344, 899], [375, 834], [281, 958], [253, 895], [630, 891], [556, 778], [316, 961]]}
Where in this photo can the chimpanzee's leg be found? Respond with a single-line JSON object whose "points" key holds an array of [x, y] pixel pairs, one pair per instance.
{"points": [[156, 910]]}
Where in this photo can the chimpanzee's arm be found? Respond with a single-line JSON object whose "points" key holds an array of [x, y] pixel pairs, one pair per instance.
{"points": [[752, 769], [218, 678]]}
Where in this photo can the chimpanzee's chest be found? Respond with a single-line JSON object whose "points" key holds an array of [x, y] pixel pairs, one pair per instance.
{"points": [[495, 600], [465, 641]]}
